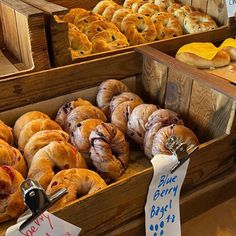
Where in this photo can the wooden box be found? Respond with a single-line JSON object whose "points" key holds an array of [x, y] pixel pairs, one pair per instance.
{"points": [[23, 44], [58, 32], [207, 107]]}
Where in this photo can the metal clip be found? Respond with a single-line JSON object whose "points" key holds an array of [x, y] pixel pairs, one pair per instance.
{"points": [[37, 200], [180, 150]]}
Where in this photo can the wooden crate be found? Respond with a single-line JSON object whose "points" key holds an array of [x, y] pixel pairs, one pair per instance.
{"points": [[23, 44], [207, 107], [58, 32]]}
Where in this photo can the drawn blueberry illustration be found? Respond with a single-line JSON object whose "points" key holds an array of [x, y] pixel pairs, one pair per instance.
{"points": [[162, 224], [154, 228], [162, 232]]}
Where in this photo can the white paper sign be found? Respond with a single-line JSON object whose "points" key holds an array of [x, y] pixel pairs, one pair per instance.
{"points": [[231, 7], [45, 225], [162, 207]]}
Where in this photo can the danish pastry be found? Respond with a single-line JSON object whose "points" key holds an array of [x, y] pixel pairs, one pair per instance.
{"points": [[109, 150], [6, 133], [182, 133], [11, 202], [107, 90], [57, 155], [41, 139], [78, 182]]}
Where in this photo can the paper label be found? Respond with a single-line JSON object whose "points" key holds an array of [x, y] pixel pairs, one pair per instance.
{"points": [[45, 225], [231, 7], [162, 216]]}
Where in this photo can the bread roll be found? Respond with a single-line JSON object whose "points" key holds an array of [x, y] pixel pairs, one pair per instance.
{"points": [[6, 133]]}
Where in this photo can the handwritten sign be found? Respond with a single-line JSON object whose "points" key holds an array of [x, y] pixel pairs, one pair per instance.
{"points": [[162, 207], [231, 7], [45, 225]]}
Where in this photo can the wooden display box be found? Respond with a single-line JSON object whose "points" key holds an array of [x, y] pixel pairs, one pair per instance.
{"points": [[23, 44], [58, 32], [207, 107]]}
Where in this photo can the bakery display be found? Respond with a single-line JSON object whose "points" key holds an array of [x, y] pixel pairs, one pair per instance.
{"points": [[11, 201]]}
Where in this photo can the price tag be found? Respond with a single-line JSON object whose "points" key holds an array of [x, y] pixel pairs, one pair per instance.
{"points": [[231, 7], [162, 216], [45, 225]]}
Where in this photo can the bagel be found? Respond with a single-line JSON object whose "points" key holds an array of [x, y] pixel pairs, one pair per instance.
{"points": [[41, 139], [229, 46], [173, 7], [78, 182], [164, 3], [119, 15], [82, 113], [57, 155], [33, 127], [11, 156], [80, 136], [79, 42], [167, 26], [73, 13], [108, 40], [109, 150], [106, 91], [24, 119], [182, 133], [67, 107], [11, 201], [121, 114], [6, 133], [157, 120], [138, 29], [196, 22], [123, 97], [129, 3], [102, 5], [137, 121], [110, 10], [181, 13], [150, 9]]}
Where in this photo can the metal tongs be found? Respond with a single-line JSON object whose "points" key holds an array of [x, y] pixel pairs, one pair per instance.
{"points": [[37, 200], [180, 150]]}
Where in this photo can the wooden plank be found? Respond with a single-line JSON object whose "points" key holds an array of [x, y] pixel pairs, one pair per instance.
{"points": [[186, 2], [10, 31], [206, 106], [154, 78], [21, 7], [200, 5], [218, 10], [1, 32], [30, 88], [24, 41], [178, 92], [211, 81], [5, 65]]}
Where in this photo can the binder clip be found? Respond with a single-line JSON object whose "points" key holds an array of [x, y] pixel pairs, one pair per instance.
{"points": [[180, 150], [37, 200]]}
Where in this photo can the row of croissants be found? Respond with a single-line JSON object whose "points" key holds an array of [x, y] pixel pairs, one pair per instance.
{"points": [[80, 150]]}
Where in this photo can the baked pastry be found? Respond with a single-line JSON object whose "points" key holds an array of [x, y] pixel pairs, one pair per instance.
{"points": [[150, 9], [79, 42], [80, 136], [78, 182], [182, 133], [203, 55], [136, 5], [123, 97], [82, 113], [67, 107], [107, 90], [41, 139], [98, 26], [121, 114], [229, 46], [73, 13], [181, 13], [6, 133], [11, 201], [57, 155], [164, 3], [25, 118], [108, 40], [137, 121], [33, 127], [173, 7], [157, 120], [110, 10], [196, 22], [167, 26], [119, 15], [102, 5], [109, 150], [11, 156], [138, 29]]}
